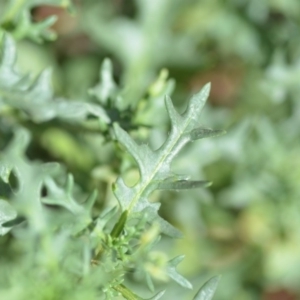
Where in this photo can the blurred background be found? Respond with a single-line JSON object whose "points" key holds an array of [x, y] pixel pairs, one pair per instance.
{"points": [[246, 225]]}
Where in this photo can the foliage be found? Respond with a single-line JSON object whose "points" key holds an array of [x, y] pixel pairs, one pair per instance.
{"points": [[102, 231], [83, 243], [16, 18]]}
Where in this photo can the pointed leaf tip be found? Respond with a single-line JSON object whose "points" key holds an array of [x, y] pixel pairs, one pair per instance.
{"points": [[7, 213], [208, 290], [207, 86], [157, 296], [206, 90], [172, 272], [173, 114], [196, 103], [107, 65], [90, 201]]}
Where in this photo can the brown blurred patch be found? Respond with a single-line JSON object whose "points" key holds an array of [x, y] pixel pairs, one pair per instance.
{"points": [[75, 44], [65, 24], [225, 82], [280, 294]]}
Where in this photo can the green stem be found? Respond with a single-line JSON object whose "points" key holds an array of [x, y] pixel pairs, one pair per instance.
{"points": [[119, 226], [116, 232], [126, 293]]}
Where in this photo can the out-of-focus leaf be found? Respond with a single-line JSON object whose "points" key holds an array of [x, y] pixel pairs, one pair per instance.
{"points": [[16, 17], [5, 170], [201, 133], [7, 213], [36, 98], [36, 31], [172, 272], [153, 104], [64, 197], [182, 184], [151, 38], [107, 87], [208, 290], [18, 220]]}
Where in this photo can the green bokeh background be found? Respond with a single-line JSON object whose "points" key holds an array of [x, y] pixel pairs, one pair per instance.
{"points": [[246, 225]]}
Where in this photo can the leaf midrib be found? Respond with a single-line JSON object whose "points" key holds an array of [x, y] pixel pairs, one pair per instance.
{"points": [[158, 166]]}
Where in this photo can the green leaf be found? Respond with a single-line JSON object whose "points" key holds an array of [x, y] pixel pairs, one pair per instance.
{"points": [[7, 213], [106, 216], [90, 201], [18, 220], [16, 17], [152, 216], [155, 166], [36, 31], [30, 177], [64, 197], [119, 226], [172, 272], [153, 103], [36, 98], [208, 290], [5, 170], [201, 133], [61, 196], [182, 184], [107, 87], [128, 294]]}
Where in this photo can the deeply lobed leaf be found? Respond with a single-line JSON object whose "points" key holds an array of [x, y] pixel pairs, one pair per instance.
{"points": [[155, 166]]}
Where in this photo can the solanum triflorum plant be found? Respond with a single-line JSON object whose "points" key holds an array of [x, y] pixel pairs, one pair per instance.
{"points": [[66, 248]]}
